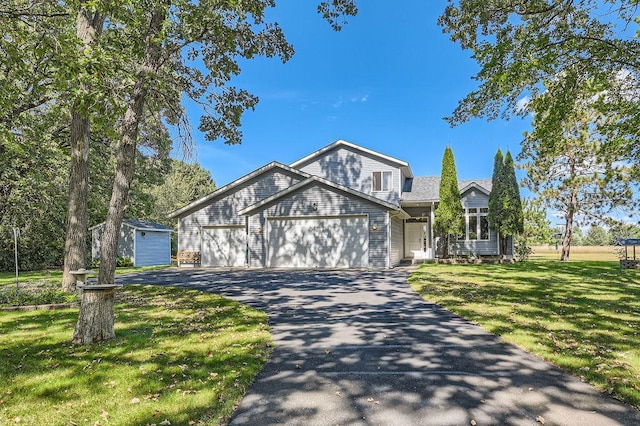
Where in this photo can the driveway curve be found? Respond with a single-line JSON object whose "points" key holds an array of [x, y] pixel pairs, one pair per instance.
{"points": [[362, 348]]}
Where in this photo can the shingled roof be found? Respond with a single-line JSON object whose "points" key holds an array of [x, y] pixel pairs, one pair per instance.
{"points": [[427, 188]]}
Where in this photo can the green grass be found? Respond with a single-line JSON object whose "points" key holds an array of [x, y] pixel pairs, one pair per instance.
{"points": [[583, 316], [182, 356], [43, 287], [9, 278]]}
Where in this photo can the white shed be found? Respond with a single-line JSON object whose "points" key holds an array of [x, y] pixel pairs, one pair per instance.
{"points": [[145, 243]]}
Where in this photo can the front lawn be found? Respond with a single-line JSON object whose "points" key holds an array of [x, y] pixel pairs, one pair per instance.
{"points": [[179, 357], [44, 287], [583, 316]]}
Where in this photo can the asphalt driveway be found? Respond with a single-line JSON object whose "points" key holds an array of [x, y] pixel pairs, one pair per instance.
{"points": [[362, 348]]}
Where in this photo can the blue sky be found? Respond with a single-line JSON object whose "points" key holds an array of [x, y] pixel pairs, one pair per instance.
{"points": [[385, 82]]}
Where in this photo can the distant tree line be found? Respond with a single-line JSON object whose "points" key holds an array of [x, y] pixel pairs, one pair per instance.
{"points": [[34, 195]]}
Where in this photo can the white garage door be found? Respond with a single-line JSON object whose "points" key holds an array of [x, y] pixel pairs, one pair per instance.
{"points": [[324, 242], [223, 246]]}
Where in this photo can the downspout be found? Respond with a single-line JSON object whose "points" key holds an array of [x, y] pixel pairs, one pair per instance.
{"points": [[388, 240], [135, 238], [432, 237]]}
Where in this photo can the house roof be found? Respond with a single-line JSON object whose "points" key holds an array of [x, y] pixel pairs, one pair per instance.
{"points": [[325, 182], [427, 188], [402, 164], [141, 225], [224, 189]]}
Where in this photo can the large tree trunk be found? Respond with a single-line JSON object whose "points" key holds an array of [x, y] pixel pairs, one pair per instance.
{"points": [[125, 163], [89, 27], [572, 208], [95, 322], [568, 233], [94, 316], [445, 246], [77, 217]]}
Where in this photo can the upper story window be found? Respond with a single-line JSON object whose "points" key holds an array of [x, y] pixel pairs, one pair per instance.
{"points": [[381, 181]]}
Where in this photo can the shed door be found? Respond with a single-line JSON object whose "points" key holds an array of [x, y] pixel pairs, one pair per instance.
{"points": [[152, 248], [223, 246], [319, 242]]}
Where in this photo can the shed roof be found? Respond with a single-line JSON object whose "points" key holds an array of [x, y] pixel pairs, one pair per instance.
{"points": [[141, 225]]}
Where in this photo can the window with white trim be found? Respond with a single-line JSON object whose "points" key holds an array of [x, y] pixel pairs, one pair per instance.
{"points": [[476, 224], [381, 181]]}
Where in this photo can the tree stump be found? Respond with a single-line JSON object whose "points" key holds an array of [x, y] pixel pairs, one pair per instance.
{"points": [[96, 318]]}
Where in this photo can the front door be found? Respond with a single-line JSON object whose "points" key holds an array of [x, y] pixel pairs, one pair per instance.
{"points": [[416, 237]]}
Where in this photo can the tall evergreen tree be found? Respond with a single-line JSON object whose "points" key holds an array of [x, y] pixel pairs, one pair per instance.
{"points": [[505, 207], [513, 222], [496, 213], [449, 215]]}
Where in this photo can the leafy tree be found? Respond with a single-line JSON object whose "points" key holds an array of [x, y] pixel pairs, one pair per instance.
{"points": [[127, 68], [449, 215], [176, 48], [537, 228], [619, 230], [577, 237], [522, 45], [183, 184], [597, 236], [566, 167]]}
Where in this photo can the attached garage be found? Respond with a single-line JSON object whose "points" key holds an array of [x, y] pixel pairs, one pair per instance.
{"points": [[224, 246], [319, 224], [318, 242]]}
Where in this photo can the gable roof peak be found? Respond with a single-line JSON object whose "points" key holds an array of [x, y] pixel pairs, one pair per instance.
{"points": [[235, 183], [341, 142]]}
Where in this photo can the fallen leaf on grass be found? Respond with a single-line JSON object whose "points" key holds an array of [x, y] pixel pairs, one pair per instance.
{"points": [[165, 423], [135, 400]]}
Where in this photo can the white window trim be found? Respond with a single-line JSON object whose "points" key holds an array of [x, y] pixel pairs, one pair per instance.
{"points": [[373, 180], [478, 215]]}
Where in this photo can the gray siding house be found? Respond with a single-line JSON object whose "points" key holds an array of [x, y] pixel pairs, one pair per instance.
{"points": [[343, 206], [145, 243]]}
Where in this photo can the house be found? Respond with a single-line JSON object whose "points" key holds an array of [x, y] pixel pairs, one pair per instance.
{"points": [[145, 243], [343, 206]]}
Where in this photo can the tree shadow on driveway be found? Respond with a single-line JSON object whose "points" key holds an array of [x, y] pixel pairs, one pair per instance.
{"points": [[361, 347]]}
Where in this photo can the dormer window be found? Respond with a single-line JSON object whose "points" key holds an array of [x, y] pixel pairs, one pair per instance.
{"points": [[381, 181]]}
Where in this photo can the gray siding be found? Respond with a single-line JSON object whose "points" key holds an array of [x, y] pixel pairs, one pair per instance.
{"points": [[354, 169], [152, 248], [396, 240], [328, 202], [223, 210], [474, 198], [125, 242]]}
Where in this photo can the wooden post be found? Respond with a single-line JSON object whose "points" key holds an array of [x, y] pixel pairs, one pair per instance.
{"points": [[96, 318]]}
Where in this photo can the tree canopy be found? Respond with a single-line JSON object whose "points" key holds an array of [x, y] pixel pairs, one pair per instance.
{"points": [[581, 46], [122, 70]]}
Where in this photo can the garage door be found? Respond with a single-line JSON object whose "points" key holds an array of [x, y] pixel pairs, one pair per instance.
{"points": [[223, 246], [319, 242]]}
